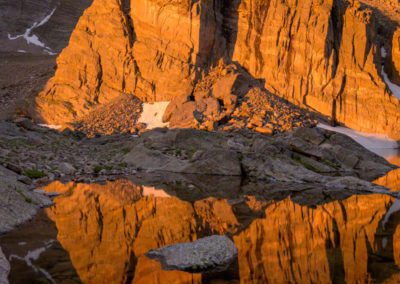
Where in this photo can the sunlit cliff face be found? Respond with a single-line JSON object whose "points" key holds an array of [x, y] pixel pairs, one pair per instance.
{"points": [[106, 229], [319, 54]]}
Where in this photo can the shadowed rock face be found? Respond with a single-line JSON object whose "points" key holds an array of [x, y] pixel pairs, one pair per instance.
{"points": [[156, 50], [107, 229]]}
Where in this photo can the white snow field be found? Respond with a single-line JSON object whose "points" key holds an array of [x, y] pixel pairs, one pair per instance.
{"points": [[153, 113], [51, 126], [395, 89], [380, 144]]}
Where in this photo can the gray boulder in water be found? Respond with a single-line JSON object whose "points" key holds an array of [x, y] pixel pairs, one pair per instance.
{"points": [[4, 268], [210, 254]]}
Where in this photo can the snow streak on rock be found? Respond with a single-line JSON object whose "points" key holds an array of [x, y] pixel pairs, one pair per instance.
{"points": [[32, 38]]}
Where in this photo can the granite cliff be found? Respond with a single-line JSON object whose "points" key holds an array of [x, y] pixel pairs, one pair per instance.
{"points": [[322, 55]]}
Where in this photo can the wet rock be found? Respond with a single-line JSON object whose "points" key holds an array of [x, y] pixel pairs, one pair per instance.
{"points": [[4, 268], [214, 253]]}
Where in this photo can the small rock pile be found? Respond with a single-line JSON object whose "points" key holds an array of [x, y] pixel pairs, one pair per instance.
{"points": [[118, 116], [228, 98]]}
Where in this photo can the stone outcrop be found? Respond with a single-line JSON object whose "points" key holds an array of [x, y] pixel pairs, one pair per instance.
{"points": [[157, 50], [307, 154]]}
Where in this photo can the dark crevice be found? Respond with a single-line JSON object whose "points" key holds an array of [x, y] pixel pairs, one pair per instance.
{"points": [[126, 9], [335, 33]]}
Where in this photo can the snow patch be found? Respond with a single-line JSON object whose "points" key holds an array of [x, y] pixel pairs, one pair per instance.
{"points": [[33, 39], [152, 115], [51, 126], [395, 89], [21, 51], [395, 207], [380, 144], [383, 52], [152, 191]]}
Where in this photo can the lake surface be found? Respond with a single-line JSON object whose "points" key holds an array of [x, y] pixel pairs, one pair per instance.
{"points": [[284, 233]]}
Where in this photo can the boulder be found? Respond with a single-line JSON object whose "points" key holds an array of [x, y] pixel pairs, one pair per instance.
{"points": [[174, 106], [228, 88], [209, 254]]}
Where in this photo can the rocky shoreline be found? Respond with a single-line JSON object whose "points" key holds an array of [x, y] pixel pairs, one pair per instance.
{"points": [[312, 165], [38, 155], [32, 156]]}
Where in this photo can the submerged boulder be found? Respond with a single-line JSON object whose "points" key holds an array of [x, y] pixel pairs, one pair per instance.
{"points": [[214, 253]]}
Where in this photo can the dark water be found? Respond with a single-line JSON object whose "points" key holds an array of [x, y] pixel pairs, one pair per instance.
{"points": [[285, 233]]}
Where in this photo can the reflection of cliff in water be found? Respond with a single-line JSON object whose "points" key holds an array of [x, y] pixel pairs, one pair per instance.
{"points": [[281, 235]]}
